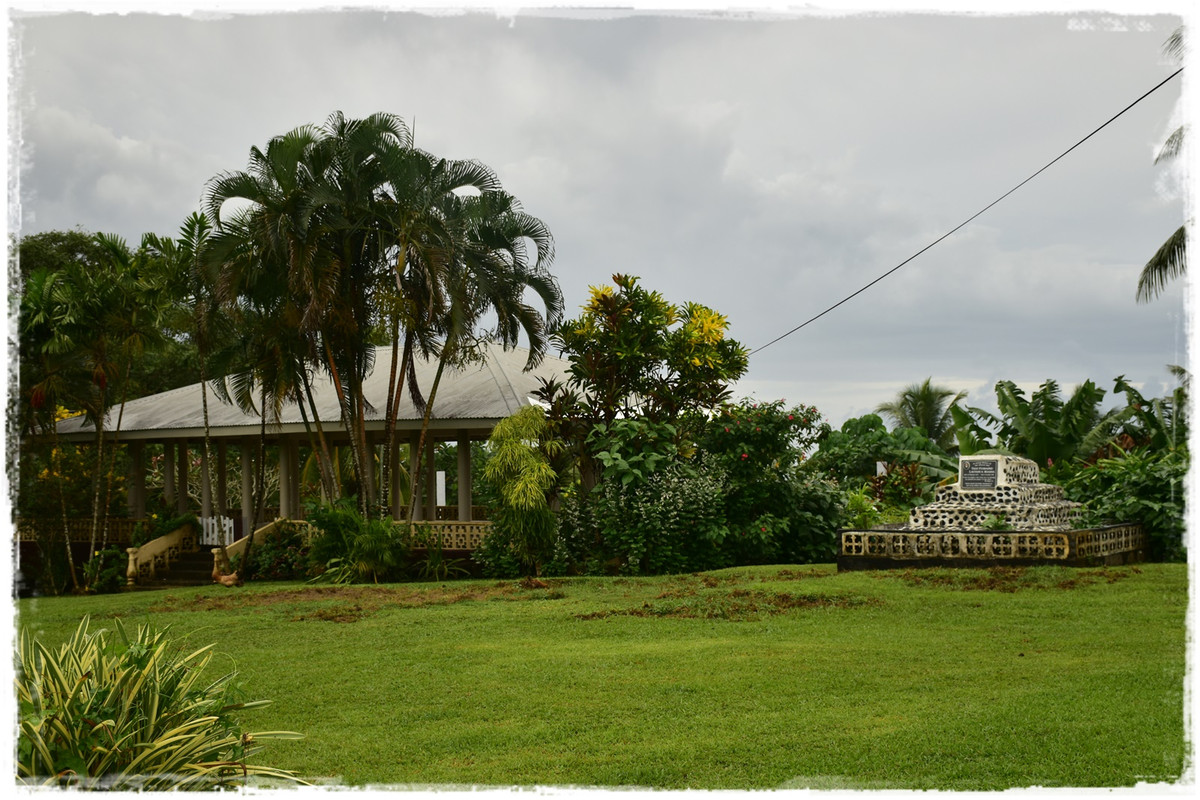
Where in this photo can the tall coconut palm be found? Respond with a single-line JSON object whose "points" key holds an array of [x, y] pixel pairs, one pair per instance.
{"points": [[923, 405], [1170, 261]]}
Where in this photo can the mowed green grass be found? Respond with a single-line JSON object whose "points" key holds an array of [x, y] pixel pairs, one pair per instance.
{"points": [[767, 677]]}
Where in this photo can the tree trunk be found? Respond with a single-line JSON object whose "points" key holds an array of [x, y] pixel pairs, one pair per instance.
{"points": [[348, 421]]}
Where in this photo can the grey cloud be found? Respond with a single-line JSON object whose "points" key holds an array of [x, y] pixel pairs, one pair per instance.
{"points": [[765, 168]]}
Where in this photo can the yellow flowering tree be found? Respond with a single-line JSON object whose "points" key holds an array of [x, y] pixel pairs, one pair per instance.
{"points": [[636, 356]]}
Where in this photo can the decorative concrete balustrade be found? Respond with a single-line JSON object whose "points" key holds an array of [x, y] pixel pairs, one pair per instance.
{"points": [[156, 556], [997, 513]]}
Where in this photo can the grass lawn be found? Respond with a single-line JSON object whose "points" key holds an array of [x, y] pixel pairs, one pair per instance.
{"points": [[766, 677]]}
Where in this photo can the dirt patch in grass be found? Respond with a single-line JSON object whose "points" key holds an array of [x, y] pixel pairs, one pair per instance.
{"points": [[737, 605], [795, 575], [352, 603], [1010, 579]]}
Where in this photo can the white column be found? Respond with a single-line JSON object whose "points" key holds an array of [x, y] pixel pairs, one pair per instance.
{"points": [[222, 479], [293, 449], [430, 478], [397, 488], [414, 480], [206, 509], [285, 480], [137, 480], [168, 473], [464, 477], [181, 495], [247, 489]]}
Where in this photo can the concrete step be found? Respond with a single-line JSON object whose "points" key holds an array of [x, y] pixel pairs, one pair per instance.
{"points": [[190, 569]]}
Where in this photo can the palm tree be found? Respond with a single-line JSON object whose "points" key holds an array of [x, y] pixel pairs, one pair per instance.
{"points": [[89, 322], [491, 272], [1170, 261], [354, 232], [187, 270], [267, 252], [413, 208], [923, 405]]}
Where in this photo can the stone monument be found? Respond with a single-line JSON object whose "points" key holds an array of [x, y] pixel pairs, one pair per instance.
{"points": [[998, 512]]}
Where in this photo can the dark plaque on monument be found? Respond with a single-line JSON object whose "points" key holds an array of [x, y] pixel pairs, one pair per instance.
{"points": [[979, 474]]}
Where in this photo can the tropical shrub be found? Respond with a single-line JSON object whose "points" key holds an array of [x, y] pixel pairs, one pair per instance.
{"points": [[635, 356], [280, 555], [497, 555], [104, 572], [902, 486], [131, 713], [862, 510], [1043, 427], [672, 521], [630, 450], [350, 549], [774, 510], [431, 564], [849, 455], [523, 480], [1142, 486]]}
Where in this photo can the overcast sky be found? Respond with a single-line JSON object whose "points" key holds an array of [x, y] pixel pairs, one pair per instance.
{"points": [[767, 166]]}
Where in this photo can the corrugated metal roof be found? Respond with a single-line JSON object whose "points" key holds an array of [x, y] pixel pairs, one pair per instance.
{"points": [[474, 398]]}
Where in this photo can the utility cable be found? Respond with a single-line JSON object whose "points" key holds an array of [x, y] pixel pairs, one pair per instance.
{"points": [[969, 219]]}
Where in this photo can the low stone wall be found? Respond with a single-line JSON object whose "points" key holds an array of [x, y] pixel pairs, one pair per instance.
{"points": [[887, 549]]}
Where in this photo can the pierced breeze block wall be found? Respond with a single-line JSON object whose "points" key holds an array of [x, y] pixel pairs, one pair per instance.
{"points": [[950, 530]]}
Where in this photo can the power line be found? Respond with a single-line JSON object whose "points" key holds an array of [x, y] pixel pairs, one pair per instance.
{"points": [[970, 219]]}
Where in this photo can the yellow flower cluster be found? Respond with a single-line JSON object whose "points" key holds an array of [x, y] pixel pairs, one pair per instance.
{"points": [[600, 296]]}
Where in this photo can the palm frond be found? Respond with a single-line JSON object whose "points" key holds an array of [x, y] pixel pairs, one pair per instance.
{"points": [[1169, 263]]}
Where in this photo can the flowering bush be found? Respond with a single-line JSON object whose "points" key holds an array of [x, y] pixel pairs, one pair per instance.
{"points": [[773, 513]]}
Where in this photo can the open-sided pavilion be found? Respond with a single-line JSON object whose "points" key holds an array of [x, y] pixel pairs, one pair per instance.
{"points": [[468, 404]]}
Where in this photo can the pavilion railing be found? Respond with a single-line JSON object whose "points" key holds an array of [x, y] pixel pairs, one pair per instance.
{"points": [[452, 535], [78, 529]]}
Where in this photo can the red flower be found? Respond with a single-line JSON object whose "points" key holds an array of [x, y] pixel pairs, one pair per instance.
{"points": [[745, 456]]}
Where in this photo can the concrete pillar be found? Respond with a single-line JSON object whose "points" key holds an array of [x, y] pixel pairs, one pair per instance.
{"points": [[464, 477], [222, 479], [293, 451], [247, 488], [168, 474], [206, 506], [430, 478], [414, 480], [285, 480], [181, 494], [136, 493], [397, 487]]}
